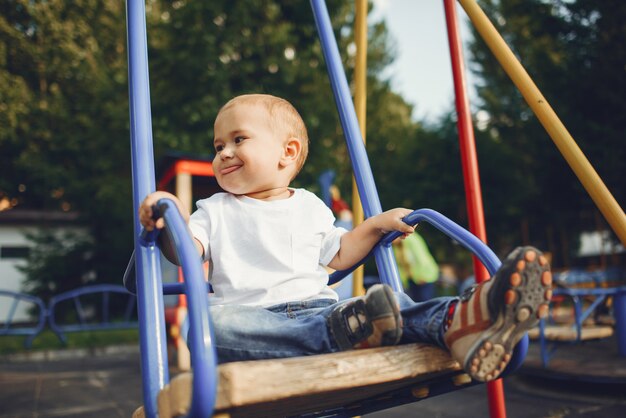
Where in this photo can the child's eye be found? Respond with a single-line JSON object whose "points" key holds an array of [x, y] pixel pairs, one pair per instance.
{"points": [[219, 148], [239, 139]]}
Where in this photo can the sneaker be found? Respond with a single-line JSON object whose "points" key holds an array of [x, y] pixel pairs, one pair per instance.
{"points": [[491, 317], [372, 320]]}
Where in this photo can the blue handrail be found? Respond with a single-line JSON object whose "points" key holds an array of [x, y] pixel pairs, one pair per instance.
{"points": [[385, 260], [200, 338], [443, 224], [154, 370]]}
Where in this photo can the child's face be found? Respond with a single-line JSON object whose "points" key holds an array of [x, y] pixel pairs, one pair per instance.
{"points": [[247, 151]]}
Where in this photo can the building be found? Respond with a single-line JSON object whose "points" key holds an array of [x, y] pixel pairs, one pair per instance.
{"points": [[15, 225]]}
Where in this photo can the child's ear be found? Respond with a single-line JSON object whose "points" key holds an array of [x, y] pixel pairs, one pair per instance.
{"points": [[291, 152]]}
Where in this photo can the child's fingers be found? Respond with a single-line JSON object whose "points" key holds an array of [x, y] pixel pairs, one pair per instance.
{"points": [[145, 217], [407, 229]]}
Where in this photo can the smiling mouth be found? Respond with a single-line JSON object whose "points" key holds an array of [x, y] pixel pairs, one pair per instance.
{"points": [[230, 169]]}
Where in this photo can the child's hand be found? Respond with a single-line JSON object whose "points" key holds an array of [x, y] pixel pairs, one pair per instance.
{"points": [[357, 243], [145, 210], [392, 221]]}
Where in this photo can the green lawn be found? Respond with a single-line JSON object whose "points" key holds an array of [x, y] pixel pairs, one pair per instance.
{"points": [[47, 340]]}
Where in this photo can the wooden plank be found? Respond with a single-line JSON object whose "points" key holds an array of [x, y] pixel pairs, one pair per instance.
{"points": [[568, 332], [270, 388]]}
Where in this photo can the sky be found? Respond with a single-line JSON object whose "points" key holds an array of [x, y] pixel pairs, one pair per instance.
{"points": [[422, 72]]}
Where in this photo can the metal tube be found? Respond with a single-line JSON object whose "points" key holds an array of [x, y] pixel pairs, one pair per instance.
{"points": [[385, 260], [203, 353], [360, 103], [471, 178], [154, 369]]}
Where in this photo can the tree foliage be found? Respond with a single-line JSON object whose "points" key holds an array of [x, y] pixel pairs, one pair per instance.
{"points": [[575, 53], [64, 136], [63, 82], [64, 112]]}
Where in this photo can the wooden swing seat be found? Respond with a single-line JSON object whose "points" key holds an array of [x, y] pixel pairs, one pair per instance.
{"points": [[292, 386]]}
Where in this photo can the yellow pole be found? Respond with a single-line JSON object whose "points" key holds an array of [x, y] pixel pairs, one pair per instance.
{"points": [[583, 169], [360, 104]]}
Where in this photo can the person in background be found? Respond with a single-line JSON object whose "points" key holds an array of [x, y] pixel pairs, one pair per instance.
{"points": [[417, 267]]}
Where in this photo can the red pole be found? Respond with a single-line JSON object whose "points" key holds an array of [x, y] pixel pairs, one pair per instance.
{"points": [[471, 178]]}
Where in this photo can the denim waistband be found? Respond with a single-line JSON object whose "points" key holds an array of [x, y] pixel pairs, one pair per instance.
{"points": [[301, 305]]}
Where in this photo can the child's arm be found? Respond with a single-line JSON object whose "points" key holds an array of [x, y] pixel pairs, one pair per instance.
{"points": [[145, 218], [357, 243]]}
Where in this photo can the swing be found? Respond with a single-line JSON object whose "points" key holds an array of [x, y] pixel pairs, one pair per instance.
{"points": [[339, 384]]}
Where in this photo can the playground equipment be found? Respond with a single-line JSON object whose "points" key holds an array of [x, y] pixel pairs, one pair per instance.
{"points": [[552, 334], [30, 331], [83, 303], [338, 384], [184, 176], [579, 311], [290, 386]]}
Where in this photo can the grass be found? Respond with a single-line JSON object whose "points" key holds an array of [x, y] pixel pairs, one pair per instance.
{"points": [[47, 340]]}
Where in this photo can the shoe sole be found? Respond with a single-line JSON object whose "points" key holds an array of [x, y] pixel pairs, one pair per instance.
{"points": [[517, 301], [384, 313]]}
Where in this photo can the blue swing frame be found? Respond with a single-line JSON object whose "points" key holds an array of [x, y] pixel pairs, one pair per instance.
{"points": [[149, 286]]}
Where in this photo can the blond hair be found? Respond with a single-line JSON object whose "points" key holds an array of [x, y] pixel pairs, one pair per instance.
{"points": [[284, 118]]}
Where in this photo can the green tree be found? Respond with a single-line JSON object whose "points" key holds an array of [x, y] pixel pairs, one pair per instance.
{"points": [[575, 53], [63, 84], [64, 137]]}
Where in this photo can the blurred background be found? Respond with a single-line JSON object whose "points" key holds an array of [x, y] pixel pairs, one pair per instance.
{"points": [[65, 183]]}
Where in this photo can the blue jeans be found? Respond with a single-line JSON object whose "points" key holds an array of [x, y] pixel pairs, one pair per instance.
{"points": [[300, 328], [420, 292]]}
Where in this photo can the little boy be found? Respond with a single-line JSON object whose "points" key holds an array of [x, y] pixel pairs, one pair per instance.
{"points": [[267, 245]]}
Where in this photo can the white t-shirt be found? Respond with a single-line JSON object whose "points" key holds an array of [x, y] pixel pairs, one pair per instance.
{"points": [[267, 252]]}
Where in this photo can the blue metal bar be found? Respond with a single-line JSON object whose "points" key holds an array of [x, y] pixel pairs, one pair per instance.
{"points": [[74, 295], [385, 260], [578, 320], [79, 310], [588, 292], [130, 307], [154, 368], [591, 308], [383, 252], [179, 288], [543, 343], [619, 311], [86, 290], [105, 307], [31, 332], [9, 320], [443, 224], [200, 339], [129, 280]]}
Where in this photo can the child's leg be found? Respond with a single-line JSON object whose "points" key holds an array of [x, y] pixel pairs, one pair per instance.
{"points": [[492, 317], [306, 328], [254, 333], [423, 322]]}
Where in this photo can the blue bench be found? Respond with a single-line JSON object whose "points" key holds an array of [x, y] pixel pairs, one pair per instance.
{"points": [[30, 329], [87, 320], [553, 334]]}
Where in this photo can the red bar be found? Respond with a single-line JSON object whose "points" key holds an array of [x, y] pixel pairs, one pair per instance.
{"points": [[195, 168], [471, 178]]}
